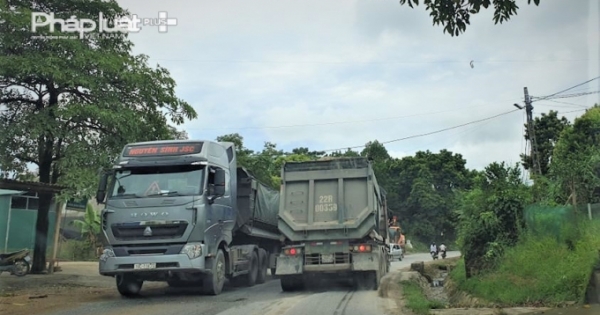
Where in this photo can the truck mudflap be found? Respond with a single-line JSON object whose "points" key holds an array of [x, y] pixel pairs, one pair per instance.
{"points": [[366, 261], [110, 265], [289, 265]]}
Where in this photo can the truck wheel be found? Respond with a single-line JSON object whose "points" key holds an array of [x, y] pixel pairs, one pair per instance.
{"points": [[291, 283], [213, 283], [262, 267], [253, 272], [128, 285]]}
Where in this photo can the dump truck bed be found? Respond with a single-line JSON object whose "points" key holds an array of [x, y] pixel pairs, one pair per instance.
{"points": [[329, 199], [257, 206]]}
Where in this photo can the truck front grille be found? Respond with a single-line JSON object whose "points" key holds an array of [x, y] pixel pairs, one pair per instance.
{"points": [[317, 259], [136, 232]]}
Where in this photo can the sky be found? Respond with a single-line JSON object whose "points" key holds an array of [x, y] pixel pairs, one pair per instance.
{"points": [[337, 74]]}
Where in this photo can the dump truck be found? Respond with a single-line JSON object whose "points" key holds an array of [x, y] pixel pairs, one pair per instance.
{"points": [[185, 213], [333, 217]]}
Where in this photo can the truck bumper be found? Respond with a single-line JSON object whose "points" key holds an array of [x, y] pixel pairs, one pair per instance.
{"points": [[294, 265], [110, 265]]}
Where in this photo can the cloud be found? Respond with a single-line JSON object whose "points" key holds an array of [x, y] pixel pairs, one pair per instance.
{"points": [[255, 66]]}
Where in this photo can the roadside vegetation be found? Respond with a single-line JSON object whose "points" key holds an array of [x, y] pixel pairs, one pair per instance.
{"points": [[535, 245], [416, 299]]}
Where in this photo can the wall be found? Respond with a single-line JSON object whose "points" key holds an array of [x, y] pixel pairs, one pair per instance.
{"points": [[21, 228], [4, 204]]}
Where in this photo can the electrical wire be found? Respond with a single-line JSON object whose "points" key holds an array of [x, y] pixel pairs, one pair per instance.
{"points": [[428, 133], [337, 122], [554, 94], [362, 62]]}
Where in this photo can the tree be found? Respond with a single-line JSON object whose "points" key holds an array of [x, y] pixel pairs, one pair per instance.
{"points": [[178, 134], [72, 104], [576, 160], [547, 130], [455, 15], [423, 189], [491, 216]]}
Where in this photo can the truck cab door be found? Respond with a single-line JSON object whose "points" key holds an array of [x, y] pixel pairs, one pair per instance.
{"points": [[218, 207]]}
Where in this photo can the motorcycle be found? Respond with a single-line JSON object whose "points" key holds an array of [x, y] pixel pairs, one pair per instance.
{"points": [[17, 263], [443, 254], [434, 255]]}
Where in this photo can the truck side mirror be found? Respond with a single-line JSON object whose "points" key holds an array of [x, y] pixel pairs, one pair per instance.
{"points": [[101, 192], [219, 187]]}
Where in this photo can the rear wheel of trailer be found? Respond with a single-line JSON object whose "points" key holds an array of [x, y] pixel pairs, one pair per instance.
{"points": [[263, 261], [292, 283]]}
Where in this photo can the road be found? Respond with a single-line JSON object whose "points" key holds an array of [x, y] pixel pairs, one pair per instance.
{"points": [[264, 299]]}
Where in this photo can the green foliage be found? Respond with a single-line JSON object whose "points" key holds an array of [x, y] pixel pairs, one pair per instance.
{"points": [[491, 216], [547, 130], [73, 250], [416, 300], [575, 164], [456, 15], [65, 98], [90, 226], [537, 271]]}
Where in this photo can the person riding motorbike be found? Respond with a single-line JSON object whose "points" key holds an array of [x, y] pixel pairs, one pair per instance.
{"points": [[433, 249], [443, 250]]}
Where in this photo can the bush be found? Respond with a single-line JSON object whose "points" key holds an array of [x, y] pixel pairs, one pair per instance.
{"points": [[73, 250], [539, 270]]}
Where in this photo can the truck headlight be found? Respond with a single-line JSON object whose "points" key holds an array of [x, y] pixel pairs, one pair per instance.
{"points": [[106, 254], [193, 250]]}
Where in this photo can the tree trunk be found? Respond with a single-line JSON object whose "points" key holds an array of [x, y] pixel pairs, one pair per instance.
{"points": [[41, 234]]}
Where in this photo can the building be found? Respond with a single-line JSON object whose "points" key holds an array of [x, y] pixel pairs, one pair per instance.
{"points": [[18, 215]]}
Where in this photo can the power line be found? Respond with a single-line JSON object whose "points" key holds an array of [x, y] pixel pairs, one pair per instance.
{"points": [[551, 95], [426, 134], [337, 122], [363, 62], [572, 95]]}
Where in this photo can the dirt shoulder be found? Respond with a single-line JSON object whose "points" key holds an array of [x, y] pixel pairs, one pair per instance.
{"points": [[78, 282]]}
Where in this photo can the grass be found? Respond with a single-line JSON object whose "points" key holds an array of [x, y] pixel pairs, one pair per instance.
{"points": [[416, 300], [538, 271]]}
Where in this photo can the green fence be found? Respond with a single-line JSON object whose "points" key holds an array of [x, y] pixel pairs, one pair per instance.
{"points": [[560, 222]]}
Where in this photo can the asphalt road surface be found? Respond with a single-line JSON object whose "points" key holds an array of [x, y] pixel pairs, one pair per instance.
{"points": [[263, 299]]}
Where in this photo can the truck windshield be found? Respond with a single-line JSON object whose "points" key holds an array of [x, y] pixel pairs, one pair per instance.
{"points": [[182, 180]]}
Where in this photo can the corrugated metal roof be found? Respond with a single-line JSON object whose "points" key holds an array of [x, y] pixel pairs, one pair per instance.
{"points": [[5, 192], [29, 186]]}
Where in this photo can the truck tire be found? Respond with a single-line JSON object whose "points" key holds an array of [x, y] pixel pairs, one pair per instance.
{"points": [[263, 261], [253, 270], [213, 283], [291, 283], [128, 286]]}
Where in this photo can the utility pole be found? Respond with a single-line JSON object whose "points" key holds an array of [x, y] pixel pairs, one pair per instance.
{"points": [[531, 134], [533, 153]]}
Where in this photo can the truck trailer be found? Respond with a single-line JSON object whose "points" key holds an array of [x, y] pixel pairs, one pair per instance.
{"points": [[333, 216], [184, 212]]}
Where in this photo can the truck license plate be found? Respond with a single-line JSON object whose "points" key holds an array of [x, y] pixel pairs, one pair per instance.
{"points": [[145, 266], [327, 258]]}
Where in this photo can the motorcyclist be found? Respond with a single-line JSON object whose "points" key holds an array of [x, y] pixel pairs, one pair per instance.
{"points": [[442, 247], [433, 248]]}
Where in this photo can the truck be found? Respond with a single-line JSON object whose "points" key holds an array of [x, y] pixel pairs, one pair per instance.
{"points": [[182, 211], [333, 218]]}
